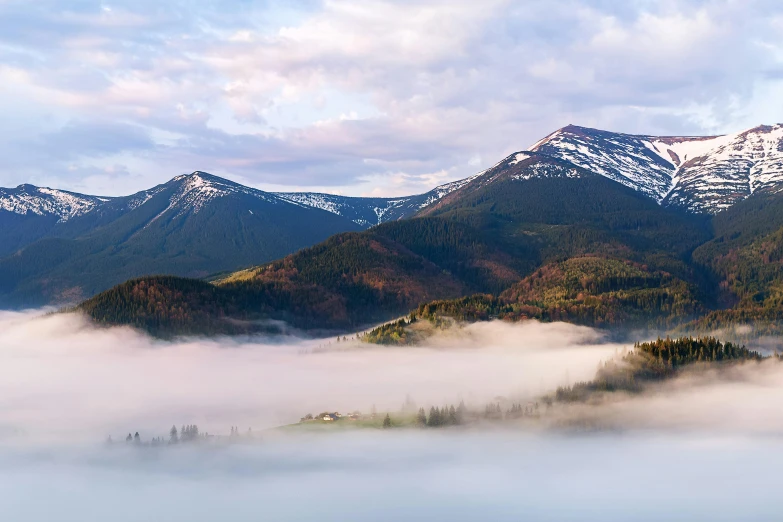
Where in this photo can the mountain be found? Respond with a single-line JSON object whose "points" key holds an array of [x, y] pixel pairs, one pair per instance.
{"points": [[58, 246], [193, 225], [659, 203], [746, 256], [698, 173], [529, 210], [28, 213]]}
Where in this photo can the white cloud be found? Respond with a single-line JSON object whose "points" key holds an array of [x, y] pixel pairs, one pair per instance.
{"points": [[65, 385], [62, 379], [256, 92]]}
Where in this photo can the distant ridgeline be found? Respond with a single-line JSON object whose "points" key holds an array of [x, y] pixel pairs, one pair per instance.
{"points": [[595, 228]]}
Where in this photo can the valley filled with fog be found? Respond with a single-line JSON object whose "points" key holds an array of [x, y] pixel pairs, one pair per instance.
{"points": [[66, 387]]}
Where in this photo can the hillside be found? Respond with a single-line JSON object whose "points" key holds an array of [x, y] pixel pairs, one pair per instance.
{"points": [[349, 281], [192, 226], [60, 247], [746, 257], [483, 238], [736, 287], [656, 361], [591, 291], [28, 213]]}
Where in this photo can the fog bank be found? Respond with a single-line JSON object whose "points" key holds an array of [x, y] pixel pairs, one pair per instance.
{"points": [[61, 377], [413, 475]]}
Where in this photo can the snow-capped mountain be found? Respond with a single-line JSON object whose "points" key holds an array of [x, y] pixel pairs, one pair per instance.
{"points": [[368, 212], [29, 213], [194, 225], [194, 191], [42, 201], [698, 173]]}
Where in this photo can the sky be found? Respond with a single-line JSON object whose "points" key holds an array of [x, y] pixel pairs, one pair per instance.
{"points": [[361, 98]]}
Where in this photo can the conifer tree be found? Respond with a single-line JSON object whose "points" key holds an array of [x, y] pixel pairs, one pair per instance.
{"points": [[434, 419], [453, 421], [387, 421], [421, 418]]}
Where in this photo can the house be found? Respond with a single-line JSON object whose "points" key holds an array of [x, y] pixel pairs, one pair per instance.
{"points": [[331, 416]]}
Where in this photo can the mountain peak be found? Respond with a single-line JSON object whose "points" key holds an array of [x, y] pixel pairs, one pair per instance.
{"points": [[191, 192], [205, 176], [699, 173]]}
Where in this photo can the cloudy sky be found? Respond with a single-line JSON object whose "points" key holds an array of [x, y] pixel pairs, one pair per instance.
{"points": [[361, 98]]}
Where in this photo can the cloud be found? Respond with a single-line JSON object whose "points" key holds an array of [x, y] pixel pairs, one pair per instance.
{"points": [[259, 91], [388, 477], [65, 384], [61, 377]]}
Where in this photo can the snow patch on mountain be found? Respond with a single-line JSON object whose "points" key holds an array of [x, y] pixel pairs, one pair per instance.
{"points": [[195, 191], [198, 189], [328, 202], [626, 159], [43, 201], [368, 212], [700, 174]]}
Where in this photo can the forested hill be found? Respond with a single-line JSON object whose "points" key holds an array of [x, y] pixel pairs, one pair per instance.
{"points": [[588, 290], [746, 257], [483, 242], [656, 361], [736, 288]]}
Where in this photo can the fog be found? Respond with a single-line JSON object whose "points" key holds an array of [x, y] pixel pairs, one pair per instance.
{"points": [[62, 378], [705, 446], [409, 475]]}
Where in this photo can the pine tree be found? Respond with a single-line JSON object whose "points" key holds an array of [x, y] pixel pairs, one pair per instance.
{"points": [[461, 410], [453, 420], [434, 420], [421, 418], [173, 437], [387, 421]]}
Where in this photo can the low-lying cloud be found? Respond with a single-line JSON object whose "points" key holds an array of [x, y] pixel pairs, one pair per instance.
{"points": [[61, 377], [683, 453], [391, 476]]}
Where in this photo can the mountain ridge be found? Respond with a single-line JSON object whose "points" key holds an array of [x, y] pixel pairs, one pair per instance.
{"points": [[198, 224], [483, 238], [698, 173]]}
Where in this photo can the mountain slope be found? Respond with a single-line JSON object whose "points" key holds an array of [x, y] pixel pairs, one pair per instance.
{"points": [[194, 225], [368, 212], [57, 246], [698, 173], [28, 213], [588, 290], [746, 256], [484, 237]]}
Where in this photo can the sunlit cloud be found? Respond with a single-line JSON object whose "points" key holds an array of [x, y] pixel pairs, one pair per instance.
{"points": [[354, 97]]}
